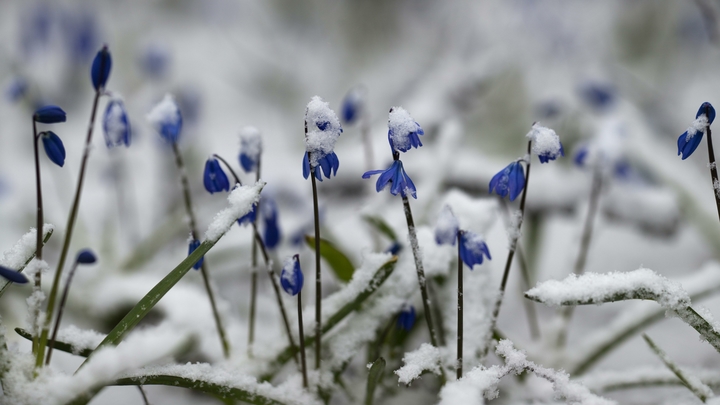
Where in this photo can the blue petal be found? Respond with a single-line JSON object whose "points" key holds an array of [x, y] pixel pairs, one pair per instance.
{"points": [[706, 108], [324, 164], [248, 164], [394, 248], [497, 183], [370, 173], [306, 166], [687, 147], [12, 275], [194, 244], [53, 148], [516, 181], [293, 283], [334, 162], [50, 114], [214, 178], [580, 156], [111, 139], [86, 256], [408, 184], [406, 318], [100, 71]]}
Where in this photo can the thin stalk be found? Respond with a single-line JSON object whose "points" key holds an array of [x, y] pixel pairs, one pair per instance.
{"points": [[193, 231], [511, 253], [459, 369], [63, 299], [318, 278], [68, 236], [302, 339], [144, 396], [39, 227], [713, 165]]}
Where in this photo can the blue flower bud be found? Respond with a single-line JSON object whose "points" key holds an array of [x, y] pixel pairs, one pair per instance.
{"points": [[690, 139], [403, 131], [291, 277], [400, 182], [511, 180], [447, 227], [406, 318], [250, 148], [12, 275], [50, 114], [192, 245], [53, 147], [269, 212], [165, 117], [214, 177], [100, 71], [86, 256], [394, 248], [353, 105], [707, 109], [472, 249], [116, 124]]}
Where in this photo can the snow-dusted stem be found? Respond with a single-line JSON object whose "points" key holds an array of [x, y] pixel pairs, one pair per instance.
{"points": [[39, 227], [302, 339], [40, 355], [63, 299], [713, 166], [253, 276], [459, 370], [193, 230], [511, 254], [318, 279]]}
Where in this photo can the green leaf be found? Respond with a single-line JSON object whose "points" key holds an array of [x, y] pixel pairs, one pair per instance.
{"points": [[374, 377], [339, 263], [5, 283], [381, 226], [59, 345]]}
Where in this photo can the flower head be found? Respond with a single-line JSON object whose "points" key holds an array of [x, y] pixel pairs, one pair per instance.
{"points": [[395, 176], [322, 129], [166, 119], [12, 275], [394, 248], [447, 227], [599, 96], [250, 148], [472, 249], [269, 214], [50, 114], [154, 60], [546, 143], [116, 124], [86, 256], [510, 180], [291, 277], [353, 105], [192, 245], [406, 317], [214, 178], [100, 71], [54, 148], [403, 132], [690, 139]]}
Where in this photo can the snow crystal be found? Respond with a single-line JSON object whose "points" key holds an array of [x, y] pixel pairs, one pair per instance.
{"points": [[514, 229], [698, 125], [23, 249], [251, 142], [323, 130], [80, 339], [545, 141], [594, 288], [427, 357], [447, 227], [164, 113], [401, 125], [241, 200]]}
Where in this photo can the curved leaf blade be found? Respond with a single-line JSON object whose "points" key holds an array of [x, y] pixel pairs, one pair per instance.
{"points": [[338, 261]]}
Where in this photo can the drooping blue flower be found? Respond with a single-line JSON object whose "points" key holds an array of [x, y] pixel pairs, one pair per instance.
{"points": [[328, 163], [165, 117], [599, 96], [472, 249], [580, 156], [192, 245], [100, 71], [394, 248], [395, 175], [86, 256], [353, 105], [447, 227], [548, 156], [116, 125], [403, 131], [690, 139], [406, 317], [291, 277], [16, 89], [510, 180], [248, 218], [214, 178], [322, 129], [251, 148], [12, 275], [50, 114], [545, 143], [269, 214], [53, 147]]}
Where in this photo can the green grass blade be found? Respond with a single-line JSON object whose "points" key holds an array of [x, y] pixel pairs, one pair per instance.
{"points": [[381, 226], [59, 345], [374, 377], [338, 261], [4, 284]]}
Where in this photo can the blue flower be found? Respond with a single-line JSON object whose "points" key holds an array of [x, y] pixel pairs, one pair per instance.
{"points": [[580, 156], [12, 275], [250, 148], [165, 117], [598, 95], [690, 139], [510, 179], [322, 129], [545, 143], [406, 317], [116, 124], [50, 114], [394, 248], [214, 178], [396, 176], [86, 256], [53, 147], [248, 218], [192, 245], [269, 212], [352, 105], [291, 277], [328, 163], [472, 249], [100, 71], [16, 89], [154, 61], [403, 131], [548, 156], [447, 227]]}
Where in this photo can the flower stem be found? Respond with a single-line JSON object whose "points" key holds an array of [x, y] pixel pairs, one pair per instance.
{"points": [[459, 369], [39, 227], [253, 277], [302, 339], [63, 299], [193, 230], [318, 278], [713, 165], [511, 254], [40, 354]]}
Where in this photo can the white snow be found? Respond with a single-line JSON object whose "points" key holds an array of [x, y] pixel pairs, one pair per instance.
{"points": [[696, 126], [426, 358], [446, 228], [401, 125], [113, 123], [319, 143], [251, 142], [241, 200], [23, 249], [545, 141], [608, 380], [80, 339], [514, 229], [166, 112], [288, 273]]}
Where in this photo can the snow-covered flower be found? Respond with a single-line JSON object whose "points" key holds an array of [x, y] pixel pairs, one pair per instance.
{"points": [[269, 214], [116, 125], [166, 119], [86, 256], [100, 70], [50, 114], [396, 176], [545, 143], [248, 218], [53, 147], [12, 275], [406, 317], [214, 178], [192, 245], [403, 131], [690, 139], [447, 227], [472, 249], [510, 180], [291, 277], [250, 148], [322, 129], [605, 151], [353, 105]]}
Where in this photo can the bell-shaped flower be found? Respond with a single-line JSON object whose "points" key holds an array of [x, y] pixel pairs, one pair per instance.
{"points": [[403, 131], [53, 147], [690, 139], [86, 256], [50, 114], [353, 105], [322, 129], [472, 249], [12, 275], [406, 317], [510, 180], [545, 143], [291, 277], [192, 245], [116, 125], [395, 175], [100, 70], [269, 214], [447, 227], [214, 178], [250, 148], [165, 117]]}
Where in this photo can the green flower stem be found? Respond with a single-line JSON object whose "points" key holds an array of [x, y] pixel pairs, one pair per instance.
{"points": [[63, 299], [302, 339], [39, 226], [193, 231], [318, 274], [40, 354], [459, 370]]}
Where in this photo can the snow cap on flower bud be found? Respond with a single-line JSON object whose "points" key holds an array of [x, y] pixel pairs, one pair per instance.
{"points": [[447, 227], [403, 131], [322, 129], [116, 124], [166, 119], [545, 143], [250, 148]]}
